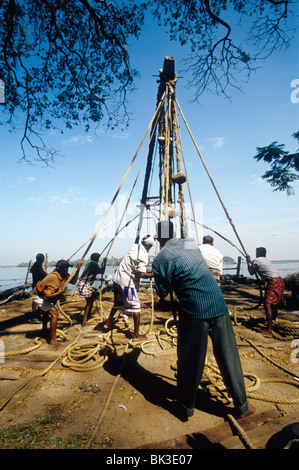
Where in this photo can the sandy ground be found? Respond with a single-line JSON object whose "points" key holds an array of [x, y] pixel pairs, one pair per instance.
{"points": [[125, 402]]}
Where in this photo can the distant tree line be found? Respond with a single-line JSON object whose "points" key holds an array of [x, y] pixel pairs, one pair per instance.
{"points": [[110, 262], [69, 61], [228, 260], [51, 264]]}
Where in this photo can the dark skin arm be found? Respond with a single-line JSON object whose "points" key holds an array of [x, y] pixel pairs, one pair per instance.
{"points": [[147, 275], [75, 278]]}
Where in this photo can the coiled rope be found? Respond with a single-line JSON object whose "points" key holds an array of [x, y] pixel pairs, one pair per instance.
{"points": [[39, 374], [79, 355], [90, 355], [38, 342]]}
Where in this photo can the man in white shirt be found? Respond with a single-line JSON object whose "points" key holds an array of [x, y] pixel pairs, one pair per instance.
{"points": [[126, 284], [212, 257]]}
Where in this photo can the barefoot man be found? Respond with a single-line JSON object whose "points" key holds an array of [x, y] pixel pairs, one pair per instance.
{"points": [[126, 283], [86, 281], [47, 292], [274, 286]]}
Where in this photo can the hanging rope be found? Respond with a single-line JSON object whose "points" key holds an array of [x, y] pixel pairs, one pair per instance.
{"points": [[92, 239], [219, 235], [213, 184], [132, 190], [181, 197], [186, 174]]}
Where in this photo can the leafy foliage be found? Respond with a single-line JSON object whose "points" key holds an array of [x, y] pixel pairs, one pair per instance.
{"points": [[283, 164], [219, 59], [67, 61]]}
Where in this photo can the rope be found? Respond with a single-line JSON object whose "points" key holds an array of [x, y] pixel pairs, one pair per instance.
{"points": [[78, 356], [286, 328], [290, 444], [280, 366], [274, 399], [89, 442], [38, 343], [167, 335], [60, 310], [116, 194], [186, 173], [217, 233], [241, 433], [213, 184], [213, 377], [127, 204], [40, 374], [91, 355], [289, 330], [152, 309]]}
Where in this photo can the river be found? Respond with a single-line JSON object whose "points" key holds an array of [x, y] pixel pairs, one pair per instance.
{"points": [[11, 276]]}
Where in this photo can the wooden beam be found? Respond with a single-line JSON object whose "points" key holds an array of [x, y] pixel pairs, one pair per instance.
{"points": [[211, 438]]}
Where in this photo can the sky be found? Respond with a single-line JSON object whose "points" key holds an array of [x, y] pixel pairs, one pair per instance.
{"points": [[56, 210]]}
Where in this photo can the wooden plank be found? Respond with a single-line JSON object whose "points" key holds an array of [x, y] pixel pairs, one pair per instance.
{"points": [[212, 437], [10, 374], [43, 356], [260, 436], [33, 364], [8, 292]]}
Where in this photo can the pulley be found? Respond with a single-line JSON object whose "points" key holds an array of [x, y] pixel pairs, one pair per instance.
{"points": [[179, 178]]}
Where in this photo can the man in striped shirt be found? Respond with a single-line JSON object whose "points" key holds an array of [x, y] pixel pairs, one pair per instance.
{"points": [[180, 268]]}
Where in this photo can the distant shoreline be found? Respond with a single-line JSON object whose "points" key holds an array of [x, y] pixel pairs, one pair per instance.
{"points": [[7, 266]]}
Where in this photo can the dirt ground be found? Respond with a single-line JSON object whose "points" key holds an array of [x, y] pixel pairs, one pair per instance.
{"points": [[125, 403]]}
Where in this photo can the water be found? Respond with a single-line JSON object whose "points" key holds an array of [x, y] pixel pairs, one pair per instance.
{"points": [[13, 276], [284, 267]]}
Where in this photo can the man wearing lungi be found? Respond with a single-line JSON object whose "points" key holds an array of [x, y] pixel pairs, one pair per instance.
{"points": [[85, 283], [126, 282], [274, 286]]}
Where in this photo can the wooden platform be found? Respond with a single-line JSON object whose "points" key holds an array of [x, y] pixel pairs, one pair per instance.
{"points": [[258, 427]]}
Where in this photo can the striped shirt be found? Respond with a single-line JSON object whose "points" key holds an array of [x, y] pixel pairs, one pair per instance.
{"points": [[180, 267]]}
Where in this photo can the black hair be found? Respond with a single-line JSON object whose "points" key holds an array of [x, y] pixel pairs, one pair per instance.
{"points": [[165, 230], [261, 251], [207, 240]]}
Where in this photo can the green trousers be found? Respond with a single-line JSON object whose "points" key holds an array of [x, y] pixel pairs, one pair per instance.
{"points": [[192, 348]]}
